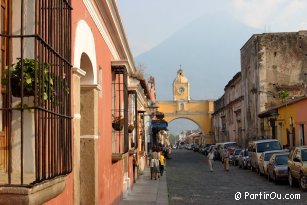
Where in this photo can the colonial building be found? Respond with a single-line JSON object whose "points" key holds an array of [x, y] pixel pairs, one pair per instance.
{"points": [[228, 113], [273, 70], [287, 122], [271, 64], [71, 118], [227, 117]]}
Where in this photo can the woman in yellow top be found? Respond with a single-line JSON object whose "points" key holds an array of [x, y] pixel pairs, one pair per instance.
{"points": [[162, 164]]}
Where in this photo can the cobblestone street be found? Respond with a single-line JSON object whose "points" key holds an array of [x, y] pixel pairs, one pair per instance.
{"points": [[190, 182]]}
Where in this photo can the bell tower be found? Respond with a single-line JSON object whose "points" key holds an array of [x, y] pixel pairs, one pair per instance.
{"points": [[181, 87]]}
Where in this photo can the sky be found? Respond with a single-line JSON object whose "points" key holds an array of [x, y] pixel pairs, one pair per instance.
{"points": [[148, 22]]}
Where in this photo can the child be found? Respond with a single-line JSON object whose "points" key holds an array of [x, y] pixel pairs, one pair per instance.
{"points": [[162, 163]]}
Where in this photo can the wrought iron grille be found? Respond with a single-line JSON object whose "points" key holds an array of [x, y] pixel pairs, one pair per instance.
{"points": [[120, 110], [36, 87], [134, 114]]}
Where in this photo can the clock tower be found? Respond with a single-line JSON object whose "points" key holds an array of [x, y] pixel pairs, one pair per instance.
{"points": [[181, 87]]}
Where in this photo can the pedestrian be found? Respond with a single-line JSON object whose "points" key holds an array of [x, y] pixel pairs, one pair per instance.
{"points": [[135, 166], [151, 162], [226, 159], [210, 159], [162, 164], [154, 163]]}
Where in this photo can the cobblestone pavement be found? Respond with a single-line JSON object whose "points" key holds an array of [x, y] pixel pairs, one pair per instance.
{"points": [[189, 181]]}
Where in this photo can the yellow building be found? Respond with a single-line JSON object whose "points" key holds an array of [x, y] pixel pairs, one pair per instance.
{"points": [[286, 122], [198, 111]]}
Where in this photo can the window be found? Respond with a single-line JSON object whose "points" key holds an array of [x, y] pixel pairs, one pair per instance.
{"points": [[35, 104], [133, 118], [120, 140], [267, 146]]}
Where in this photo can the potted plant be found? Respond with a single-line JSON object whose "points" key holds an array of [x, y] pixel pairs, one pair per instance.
{"points": [[27, 69], [118, 123], [130, 128]]}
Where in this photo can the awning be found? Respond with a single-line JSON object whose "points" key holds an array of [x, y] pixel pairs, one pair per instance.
{"points": [[159, 124]]}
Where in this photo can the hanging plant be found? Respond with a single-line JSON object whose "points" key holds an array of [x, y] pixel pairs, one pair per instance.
{"points": [[130, 128], [118, 123], [27, 69]]}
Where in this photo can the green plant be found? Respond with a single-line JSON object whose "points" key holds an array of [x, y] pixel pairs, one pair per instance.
{"points": [[31, 69], [283, 94]]}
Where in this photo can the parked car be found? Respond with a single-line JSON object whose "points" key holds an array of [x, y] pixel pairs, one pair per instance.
{"points": [[207, 148], [256, 148], [264, 160], [188, 146], [243, 161], [220, 148], [195, 148], [234, 157], [278, 167], [297, 167]]}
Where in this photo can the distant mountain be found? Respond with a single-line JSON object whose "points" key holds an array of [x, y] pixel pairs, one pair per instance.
{"points": [[208, 50]]}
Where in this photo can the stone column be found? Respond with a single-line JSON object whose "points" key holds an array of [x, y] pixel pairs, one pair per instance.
{"points": [[89, 144], [77, 74]]}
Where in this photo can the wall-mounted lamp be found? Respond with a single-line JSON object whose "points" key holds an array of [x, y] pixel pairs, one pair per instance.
{"points": [[291, 121], [152, 107]]}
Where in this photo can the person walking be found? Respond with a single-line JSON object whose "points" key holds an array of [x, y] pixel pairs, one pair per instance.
{"points": [[162, 164], [226, 159], [211, 159], [154, 163]]}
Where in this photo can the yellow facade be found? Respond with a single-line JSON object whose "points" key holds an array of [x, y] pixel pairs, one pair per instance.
{"points": [[290, 124], [198, 111], [286, 123]]}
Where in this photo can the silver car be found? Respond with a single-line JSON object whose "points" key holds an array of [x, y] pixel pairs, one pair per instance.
{"points": [[264, 160], [278, 167], [243, 161]]}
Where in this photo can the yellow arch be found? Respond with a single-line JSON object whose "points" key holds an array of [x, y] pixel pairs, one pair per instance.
{"points": [[198, 111]]}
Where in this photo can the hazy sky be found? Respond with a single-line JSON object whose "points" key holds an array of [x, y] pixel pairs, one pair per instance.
{"points": [[149, 22]]}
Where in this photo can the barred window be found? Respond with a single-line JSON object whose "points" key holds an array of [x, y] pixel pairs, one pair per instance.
{"points": [[133, 119], [120, 138], [36, 85]]}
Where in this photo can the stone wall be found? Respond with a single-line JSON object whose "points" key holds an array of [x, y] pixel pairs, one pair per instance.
{"points": [[271, 63]]}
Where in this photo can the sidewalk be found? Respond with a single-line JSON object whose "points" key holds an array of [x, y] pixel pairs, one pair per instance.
{"points": [[146, 191]]}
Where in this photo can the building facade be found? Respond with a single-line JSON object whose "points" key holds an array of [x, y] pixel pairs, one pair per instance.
{"points": [[227, 116], [287, 122], [71, 108], [271, 63], [273, 70]]}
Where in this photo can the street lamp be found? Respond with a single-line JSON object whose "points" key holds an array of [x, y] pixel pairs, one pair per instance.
{"points": [[152, 107]]}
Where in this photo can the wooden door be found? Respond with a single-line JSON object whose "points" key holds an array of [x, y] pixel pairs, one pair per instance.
{"points": [[3, 64]]}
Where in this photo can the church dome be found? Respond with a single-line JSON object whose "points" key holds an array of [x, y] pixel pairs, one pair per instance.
{"points": [[180, 77]]}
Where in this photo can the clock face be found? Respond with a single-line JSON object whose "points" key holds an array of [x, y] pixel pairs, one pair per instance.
{"points": [[180, 90]]}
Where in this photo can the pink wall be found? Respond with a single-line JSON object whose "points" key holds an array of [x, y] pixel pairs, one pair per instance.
{"points": [[110, 176], [301, 118]]}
